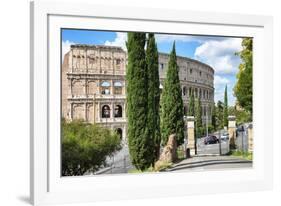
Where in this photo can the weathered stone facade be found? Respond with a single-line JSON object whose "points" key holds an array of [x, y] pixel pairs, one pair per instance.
{"points": [[93, 84]]}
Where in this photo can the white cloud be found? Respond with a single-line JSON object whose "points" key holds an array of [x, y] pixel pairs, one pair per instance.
{"points": [[65, 47], [170, 38], [220, 54], [160, 38], [219, 81], [120, 40]]}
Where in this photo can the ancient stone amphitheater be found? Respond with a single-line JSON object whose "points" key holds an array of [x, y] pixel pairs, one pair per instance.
{"points": [[93, 84]]}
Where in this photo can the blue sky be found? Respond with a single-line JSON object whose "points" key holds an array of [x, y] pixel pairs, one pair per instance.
{"points": [[218, 52]]}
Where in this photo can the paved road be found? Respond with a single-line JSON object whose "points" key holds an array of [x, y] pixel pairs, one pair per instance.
{"points": [[199, 163], [119, 163], [212, 148]]}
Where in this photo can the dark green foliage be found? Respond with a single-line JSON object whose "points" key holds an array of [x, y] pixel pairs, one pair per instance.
{"points": [[191, 108], [243, 89], [153, 120], [85, 147], [220, 114], [198, 119], [225, 108], [137, 93], [171, 103], [242, 116], [214, 117], [211, 128]]}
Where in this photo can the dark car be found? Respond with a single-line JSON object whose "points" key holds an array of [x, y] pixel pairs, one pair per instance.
{"points": [[211, 140]]}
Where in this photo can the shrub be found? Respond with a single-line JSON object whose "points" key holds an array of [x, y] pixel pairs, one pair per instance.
{"points": [[86, 146]]}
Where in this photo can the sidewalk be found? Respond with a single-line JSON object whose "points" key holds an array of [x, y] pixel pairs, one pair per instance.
{"points": [[209, 162]]}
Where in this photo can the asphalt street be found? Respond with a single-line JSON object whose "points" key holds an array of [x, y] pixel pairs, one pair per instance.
{"points": [[208, 157], [119, 163], [203, 149], [209, 162]]}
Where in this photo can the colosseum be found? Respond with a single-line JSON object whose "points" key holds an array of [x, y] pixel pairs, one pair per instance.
{"points": [[93, 84]]}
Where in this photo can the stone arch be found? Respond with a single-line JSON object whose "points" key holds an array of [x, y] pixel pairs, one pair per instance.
{"points": [[118, 87], [105, 111], [78, 111], [119, 131], [118, 111], [184, 91], [92, 87], [105, 87], [77, 87]]}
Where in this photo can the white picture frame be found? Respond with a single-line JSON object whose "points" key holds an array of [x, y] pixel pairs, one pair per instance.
{"points": [[46, 184]]}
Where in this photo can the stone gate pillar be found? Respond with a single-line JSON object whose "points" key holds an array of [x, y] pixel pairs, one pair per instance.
{"points": [[250, 138], [232, 131], [190, 135]]}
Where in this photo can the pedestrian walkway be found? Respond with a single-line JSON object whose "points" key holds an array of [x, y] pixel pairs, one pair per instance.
{"points": [[209, 162]]}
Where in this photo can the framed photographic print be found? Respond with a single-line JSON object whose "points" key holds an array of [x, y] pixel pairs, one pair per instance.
{"points": [[140, 106]]}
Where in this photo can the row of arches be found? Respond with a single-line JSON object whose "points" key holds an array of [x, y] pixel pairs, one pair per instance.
{"points": [[79, 87], [198, 92], [105, 111], [206, 110]]}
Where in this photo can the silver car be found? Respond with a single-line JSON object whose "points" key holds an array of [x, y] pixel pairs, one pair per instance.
{"points": [[225, 136]]}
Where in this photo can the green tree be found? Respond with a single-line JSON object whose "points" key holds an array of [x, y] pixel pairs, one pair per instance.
{"points": [[191, 107], [153, 94], [214, 117], [220, 114], [198, 118], [171, 103], [225, 108], [136, 78], [241, 115], [243, 89], [85, 147]]}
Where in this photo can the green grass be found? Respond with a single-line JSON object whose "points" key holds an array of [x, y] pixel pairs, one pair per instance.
{"points": [[139, 171], [180, 153], [244, 155]]}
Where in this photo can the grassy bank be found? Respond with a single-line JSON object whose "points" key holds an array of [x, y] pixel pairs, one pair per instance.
{"points": [[244, 155]]}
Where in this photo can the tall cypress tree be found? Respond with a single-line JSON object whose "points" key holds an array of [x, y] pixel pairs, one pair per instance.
{"points": [[220, 114], [171, 103], [198, 118], [225, 108], [214, 117], [191, 108], [136, 79], [153, 120]]}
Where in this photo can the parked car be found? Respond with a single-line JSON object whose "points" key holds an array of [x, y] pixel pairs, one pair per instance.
{"points": [[211, 139], [240, 128], [225, 136]]}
